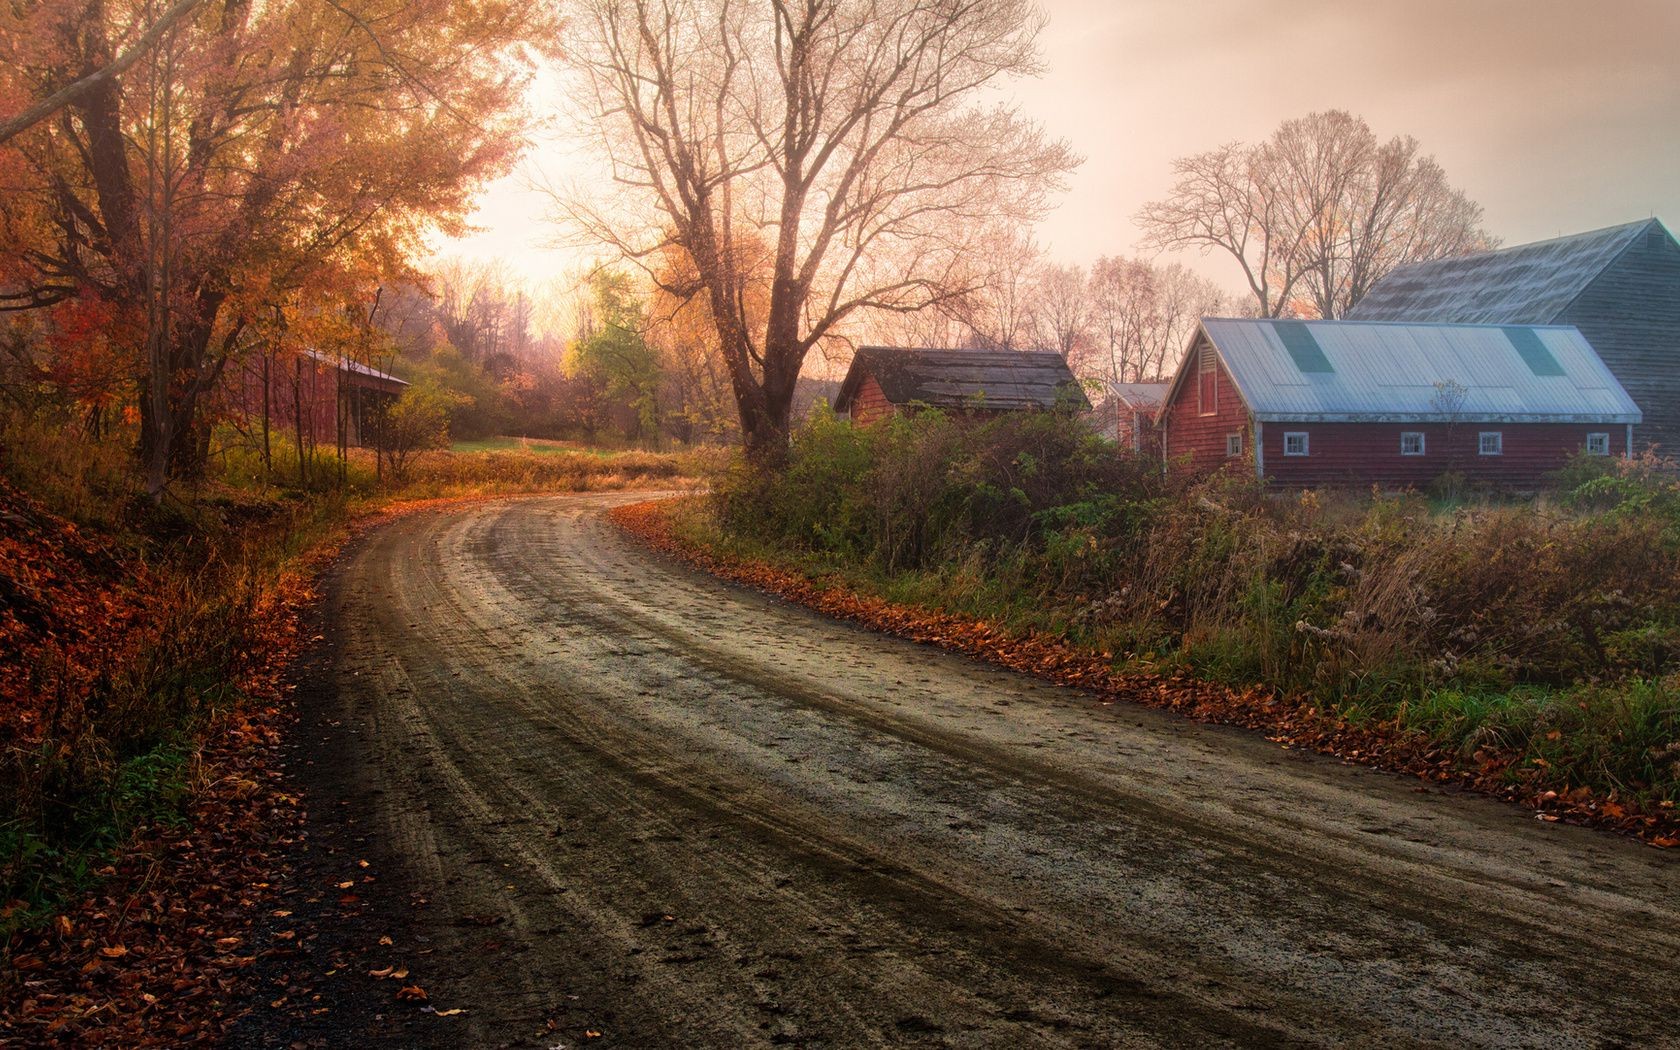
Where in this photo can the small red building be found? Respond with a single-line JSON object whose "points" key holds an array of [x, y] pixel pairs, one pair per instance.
{"points": [[1128, 415], [883, 380], [318, 389], [1311, 403]]}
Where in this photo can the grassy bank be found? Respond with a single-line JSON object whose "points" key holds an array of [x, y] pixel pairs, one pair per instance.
{"points": [[1540, 637], [132, 633]]}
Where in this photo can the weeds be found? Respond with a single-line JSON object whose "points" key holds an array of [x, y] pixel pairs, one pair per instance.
{"points": [[1549, 631]]}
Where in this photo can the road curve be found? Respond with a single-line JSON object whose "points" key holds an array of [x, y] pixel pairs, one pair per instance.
{"points": [[677, 813]]}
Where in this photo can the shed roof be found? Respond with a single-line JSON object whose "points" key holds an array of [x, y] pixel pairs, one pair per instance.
{"points": [[1354, 371], [355, 367], [1136, 395], [999, 379], [1527, 284]]}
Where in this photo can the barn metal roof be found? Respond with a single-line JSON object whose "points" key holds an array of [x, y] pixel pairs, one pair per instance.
{"points": [[1001, 379], [354, 366], [1527, 284], [1353, 371], [1136, 395]]}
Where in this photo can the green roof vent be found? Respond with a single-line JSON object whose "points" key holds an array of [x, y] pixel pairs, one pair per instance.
{"points": [[1526, 341], [1303, 348]]}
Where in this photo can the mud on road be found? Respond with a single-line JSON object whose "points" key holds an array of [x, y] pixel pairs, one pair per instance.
{"points": [[612, 802]]}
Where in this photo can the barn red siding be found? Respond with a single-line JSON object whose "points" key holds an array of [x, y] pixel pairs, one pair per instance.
{"points": [[302, 387], [1369, 453], [1196, 442], [870, 403]]}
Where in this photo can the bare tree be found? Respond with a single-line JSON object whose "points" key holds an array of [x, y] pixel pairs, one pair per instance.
{"points": [[1142, 315], [1062, 310], [997, 311], [1317, 214], [843, 135]]}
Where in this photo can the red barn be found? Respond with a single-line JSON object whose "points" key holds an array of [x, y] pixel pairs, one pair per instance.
{"points": [[883, 380], [317, 389], [1308, 403]]}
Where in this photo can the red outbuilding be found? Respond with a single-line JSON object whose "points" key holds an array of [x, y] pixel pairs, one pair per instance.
{"points": [[319, 391], [1311, 403]]}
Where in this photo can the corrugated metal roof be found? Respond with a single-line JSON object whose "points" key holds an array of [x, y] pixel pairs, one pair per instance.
{"points": [[353, 366], [1527, 284], [964, 378], [1381, 371], [1136, 395]]}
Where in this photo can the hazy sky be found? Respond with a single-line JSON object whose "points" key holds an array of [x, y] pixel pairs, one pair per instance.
{"points": [[1556, 115]]}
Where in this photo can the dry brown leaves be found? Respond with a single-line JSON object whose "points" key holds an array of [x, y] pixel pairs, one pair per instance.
{"points": [[1287, 721], [155, 953], [154, 956]]}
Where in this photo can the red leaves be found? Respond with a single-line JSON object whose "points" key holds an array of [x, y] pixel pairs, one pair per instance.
{"points": [[1289, 722]]}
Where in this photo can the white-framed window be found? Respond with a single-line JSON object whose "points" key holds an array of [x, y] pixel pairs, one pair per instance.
{"points": [[1295, 442], [1411, 443], [1233, 445], [1490, 443], [1598, 444]]}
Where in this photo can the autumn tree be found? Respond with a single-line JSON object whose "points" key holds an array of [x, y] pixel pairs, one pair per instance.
{"points": [[847, 136], [696, 401], [1316, 214], [613, 355], [256, 151]]}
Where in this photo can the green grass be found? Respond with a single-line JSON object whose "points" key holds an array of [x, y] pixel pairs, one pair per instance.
{"points": [[519, 444]]}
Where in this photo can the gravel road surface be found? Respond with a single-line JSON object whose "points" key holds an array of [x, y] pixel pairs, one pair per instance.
{"points": [[605, 794]]}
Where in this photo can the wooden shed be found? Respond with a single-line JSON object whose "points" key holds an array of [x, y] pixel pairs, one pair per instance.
{"points": [[1310, 403], [1620, 286], [319, 391], [1127, 415], [883, 380]]}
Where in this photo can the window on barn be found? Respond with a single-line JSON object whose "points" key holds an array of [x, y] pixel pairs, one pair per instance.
{"points": [[1295, 443], [1491, 443], [1598, 444], [1411, 443], [1207, 380], [1233, 445]]}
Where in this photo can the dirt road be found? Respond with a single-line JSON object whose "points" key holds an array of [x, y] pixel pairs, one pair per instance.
{"points": [[632, 801]]}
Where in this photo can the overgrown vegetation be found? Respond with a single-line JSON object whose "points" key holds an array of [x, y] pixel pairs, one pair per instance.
{"points": [[131, 630], [1547, 633]]}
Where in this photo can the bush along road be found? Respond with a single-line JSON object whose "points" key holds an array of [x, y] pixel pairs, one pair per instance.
{"points": [[565, 791]]}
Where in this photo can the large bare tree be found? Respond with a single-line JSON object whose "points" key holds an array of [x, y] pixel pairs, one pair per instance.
{"points": [[847, 136], [1316, 214]]}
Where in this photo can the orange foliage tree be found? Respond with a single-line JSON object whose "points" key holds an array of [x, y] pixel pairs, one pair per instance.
{"points": [[255, 152]]}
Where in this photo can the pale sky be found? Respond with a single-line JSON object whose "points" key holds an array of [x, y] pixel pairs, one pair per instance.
{"points": [[1558, 116]]}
